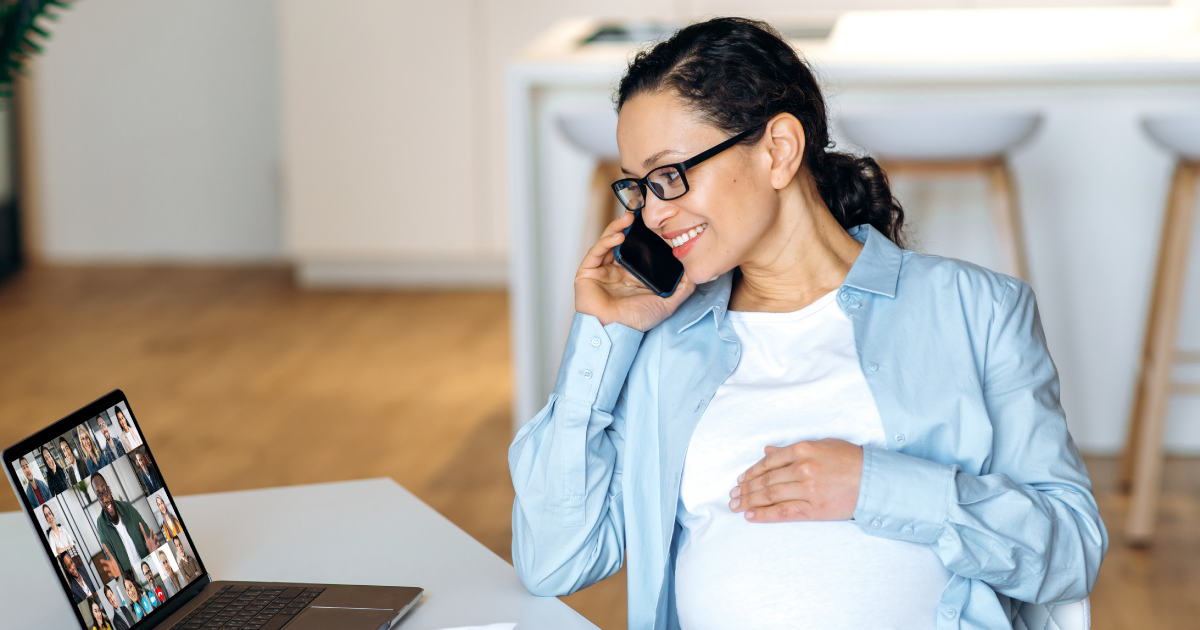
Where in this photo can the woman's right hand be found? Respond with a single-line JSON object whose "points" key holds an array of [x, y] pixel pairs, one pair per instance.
{"points": [[605, 290]]}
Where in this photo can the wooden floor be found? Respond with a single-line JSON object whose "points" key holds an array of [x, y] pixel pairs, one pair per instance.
{"points": [[243, 381]]}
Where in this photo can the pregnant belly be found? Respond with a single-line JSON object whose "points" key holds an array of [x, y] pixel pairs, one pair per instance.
{"points": [[736, 574]]}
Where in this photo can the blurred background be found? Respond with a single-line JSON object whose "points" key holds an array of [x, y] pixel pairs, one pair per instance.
{"points": [[319, 241]]}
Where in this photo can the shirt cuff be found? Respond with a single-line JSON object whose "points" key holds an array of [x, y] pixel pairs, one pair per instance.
{"points": [[596, 361], [903, 497]]}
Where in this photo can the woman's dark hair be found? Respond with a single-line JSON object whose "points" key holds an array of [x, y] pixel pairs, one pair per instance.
{"points": [[737, 74]]}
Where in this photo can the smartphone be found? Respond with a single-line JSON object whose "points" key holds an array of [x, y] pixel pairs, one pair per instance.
{"points": [[648, 257]]}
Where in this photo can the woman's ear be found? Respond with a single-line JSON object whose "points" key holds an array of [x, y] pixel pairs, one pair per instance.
{"points": [[785, 144]]}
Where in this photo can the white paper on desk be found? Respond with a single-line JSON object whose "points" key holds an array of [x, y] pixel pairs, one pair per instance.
{"points": [[489, 627]]}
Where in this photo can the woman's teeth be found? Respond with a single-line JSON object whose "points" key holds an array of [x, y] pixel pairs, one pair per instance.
{"points": [[689, 235]]}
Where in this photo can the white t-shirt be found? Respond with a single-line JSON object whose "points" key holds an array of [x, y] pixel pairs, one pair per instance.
{"points": [[58, 541], [130, 548], [798, 379]]}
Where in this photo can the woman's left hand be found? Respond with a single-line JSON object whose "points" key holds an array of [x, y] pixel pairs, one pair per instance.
{"points": [[807, 481]]}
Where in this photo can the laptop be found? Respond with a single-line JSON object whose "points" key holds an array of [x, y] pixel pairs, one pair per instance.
{"points": [[121, 550]]}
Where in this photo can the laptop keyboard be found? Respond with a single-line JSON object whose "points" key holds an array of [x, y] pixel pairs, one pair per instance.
{"points": [[240, 607]]}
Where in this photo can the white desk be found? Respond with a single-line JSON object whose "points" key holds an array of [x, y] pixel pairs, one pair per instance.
{"points": [[359, 532]]}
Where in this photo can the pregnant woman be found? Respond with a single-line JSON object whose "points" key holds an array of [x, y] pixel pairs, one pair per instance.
{"points": [[819, 429]]}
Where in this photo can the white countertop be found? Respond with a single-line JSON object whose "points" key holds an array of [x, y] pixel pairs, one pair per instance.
{"points": [[994, 45]]}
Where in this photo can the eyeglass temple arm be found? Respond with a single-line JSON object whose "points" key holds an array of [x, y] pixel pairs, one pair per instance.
{"points": [[686, 164]]}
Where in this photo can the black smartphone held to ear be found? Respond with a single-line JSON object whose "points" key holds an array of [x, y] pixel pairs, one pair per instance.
{"points": [[648, 257]]}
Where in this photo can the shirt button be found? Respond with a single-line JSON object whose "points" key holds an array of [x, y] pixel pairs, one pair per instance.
{"points": [[876, 523], [908, 529], [899, 438], [586, 373], [874, 367], [950, 613], [856, 305], [844, 296], [595, 341]]}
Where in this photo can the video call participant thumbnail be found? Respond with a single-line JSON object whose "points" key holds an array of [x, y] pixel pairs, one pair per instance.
{"points": [[154, 585], [138, 601], [129, 435], [56, 476], [112, 448], [124, 535], [123, 617], [60, 539], [76, 471], [173, 580], [35, 489], [187, 564], [100, 620], [147, 473], [94, 459], [170, 524], [77, 577]]}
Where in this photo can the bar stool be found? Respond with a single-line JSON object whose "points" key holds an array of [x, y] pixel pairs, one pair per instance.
{"points": [[595, 131], [1141, 465], [936, 143]]}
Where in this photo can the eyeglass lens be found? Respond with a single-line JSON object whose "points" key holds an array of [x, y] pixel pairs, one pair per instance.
{"points": [[666, 182]]}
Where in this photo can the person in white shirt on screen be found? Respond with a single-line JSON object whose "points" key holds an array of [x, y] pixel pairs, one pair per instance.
{"points": [[60, 538], [129, 436]]}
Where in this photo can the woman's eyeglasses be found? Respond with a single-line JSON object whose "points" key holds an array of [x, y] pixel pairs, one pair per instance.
{"points": [[666, 182]]}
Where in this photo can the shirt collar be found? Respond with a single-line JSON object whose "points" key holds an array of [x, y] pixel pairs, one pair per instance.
{"points": [[877, 269]]}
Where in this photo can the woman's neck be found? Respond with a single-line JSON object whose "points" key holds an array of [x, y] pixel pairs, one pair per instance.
{"points": [[804, 256]]}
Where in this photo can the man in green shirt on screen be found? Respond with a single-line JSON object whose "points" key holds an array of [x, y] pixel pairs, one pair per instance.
{"points": [[123, 533]]}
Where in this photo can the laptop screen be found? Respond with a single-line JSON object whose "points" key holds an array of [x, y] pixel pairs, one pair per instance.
{"points": [[107, 520]]}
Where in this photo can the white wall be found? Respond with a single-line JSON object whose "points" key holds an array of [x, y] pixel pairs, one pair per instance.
{"points": [[157, 125]]}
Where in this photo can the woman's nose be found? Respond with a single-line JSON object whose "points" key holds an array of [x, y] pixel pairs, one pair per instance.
{"points": [[656, 212]]}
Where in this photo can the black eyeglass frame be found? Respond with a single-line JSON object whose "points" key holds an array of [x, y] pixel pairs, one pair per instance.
{"points": [[681, 167]]}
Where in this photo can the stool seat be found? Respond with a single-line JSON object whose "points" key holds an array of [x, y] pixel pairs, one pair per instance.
{"points": [[938, 135], [592, 130], [1178, 132]]}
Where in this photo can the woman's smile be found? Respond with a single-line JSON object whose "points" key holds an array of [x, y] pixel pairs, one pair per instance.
{"points": [[682, 241]]}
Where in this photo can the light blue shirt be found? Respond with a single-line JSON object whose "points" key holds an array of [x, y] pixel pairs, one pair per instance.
{"points": [[979, 464]]}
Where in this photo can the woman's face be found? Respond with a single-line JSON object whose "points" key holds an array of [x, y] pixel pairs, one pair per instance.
{"points": [[68, 456], [121, 421], [49, 516], [86, 441], [96, 611], [131, 591], [730, 193], [48, 458]]}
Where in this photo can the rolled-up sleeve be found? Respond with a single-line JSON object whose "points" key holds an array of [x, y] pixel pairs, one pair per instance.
{"points": [[568, 526], [1029, 527]]}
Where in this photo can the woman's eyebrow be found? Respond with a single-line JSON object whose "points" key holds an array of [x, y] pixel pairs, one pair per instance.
{"points": [[654, 158], [660, 155]]}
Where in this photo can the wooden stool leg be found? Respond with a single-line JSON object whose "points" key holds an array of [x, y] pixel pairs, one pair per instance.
{"points": [[1159, 359], [1006, 216]]}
